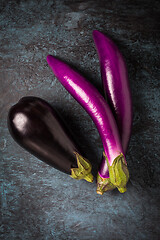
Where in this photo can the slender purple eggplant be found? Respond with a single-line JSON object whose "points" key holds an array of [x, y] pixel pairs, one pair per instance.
{"points": [[39, 129], [117, 91], [116, 85], [95, 105]]}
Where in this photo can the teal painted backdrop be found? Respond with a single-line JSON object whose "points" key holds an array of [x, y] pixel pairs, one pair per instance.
{"points": [[37, 201]]}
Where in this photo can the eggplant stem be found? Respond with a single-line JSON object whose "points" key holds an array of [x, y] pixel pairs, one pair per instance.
{"points": [[89, 177], [100, 192], [118, 172], [84, 169], [104, 185]]}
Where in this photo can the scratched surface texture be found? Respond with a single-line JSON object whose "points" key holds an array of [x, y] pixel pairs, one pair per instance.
{"points": [[37, 201]]}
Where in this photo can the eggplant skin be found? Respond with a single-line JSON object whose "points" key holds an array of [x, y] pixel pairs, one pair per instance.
{"points": [[38, 128], [116, 84]]}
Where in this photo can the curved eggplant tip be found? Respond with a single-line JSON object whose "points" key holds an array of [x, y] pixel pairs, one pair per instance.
{"points": [[84, 169], [97, 35], [49, 59], [95, 32], [52, 62]]}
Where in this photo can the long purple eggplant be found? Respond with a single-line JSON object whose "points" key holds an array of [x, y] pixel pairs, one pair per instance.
{"points": [[38, 128], [116, 85], [92, 101], [117, 91]]}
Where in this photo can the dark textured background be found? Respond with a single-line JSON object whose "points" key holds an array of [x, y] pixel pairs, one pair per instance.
{"points": [[37, 201]]}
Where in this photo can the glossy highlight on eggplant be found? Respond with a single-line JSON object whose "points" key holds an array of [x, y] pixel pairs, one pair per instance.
{"points": [[117, 91], [98, 109], [38, 128]]}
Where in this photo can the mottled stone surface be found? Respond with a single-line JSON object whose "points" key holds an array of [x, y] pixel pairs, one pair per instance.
{"points": [[37, 201]]}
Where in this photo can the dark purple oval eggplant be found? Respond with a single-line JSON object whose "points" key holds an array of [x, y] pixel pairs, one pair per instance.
{"points": [[38, 128]]}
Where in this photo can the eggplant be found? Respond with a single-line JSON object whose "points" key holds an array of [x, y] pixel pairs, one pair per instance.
{"points": [[118, 94], [116, 84], [98, 109], [38, 128]]}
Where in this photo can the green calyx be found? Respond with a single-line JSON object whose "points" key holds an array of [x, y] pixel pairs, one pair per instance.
{"points": [[103, 185], [84, 169], [118, 173]]}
